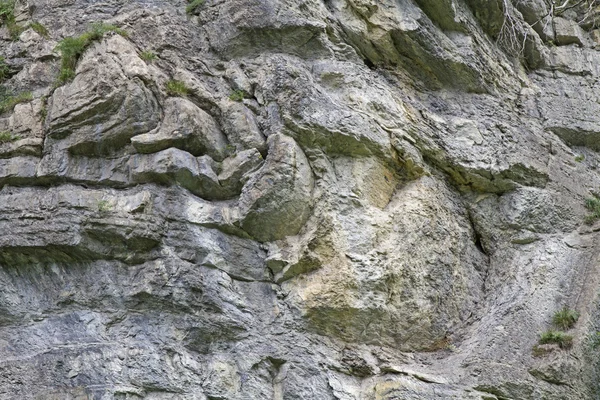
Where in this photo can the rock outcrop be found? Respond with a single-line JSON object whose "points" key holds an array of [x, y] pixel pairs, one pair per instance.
{"points": [[276, 199]]}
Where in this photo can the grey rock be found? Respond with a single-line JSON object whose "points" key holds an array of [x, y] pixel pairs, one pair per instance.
{"points": [[395, 208], [276, 202], [185, 127], [118, 105], [568, 32]]}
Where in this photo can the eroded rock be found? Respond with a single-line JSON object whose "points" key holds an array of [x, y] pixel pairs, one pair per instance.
{"points": [[276, 202]]}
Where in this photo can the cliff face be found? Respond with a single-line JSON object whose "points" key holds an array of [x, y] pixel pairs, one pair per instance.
{"points": [[278, 199]]}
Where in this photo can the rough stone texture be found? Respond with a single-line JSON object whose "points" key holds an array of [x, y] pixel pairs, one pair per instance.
{"points": [[354, 200]]}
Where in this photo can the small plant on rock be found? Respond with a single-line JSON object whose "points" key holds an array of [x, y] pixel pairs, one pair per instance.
{"points": [[15, 31], [148, 55], [7, 11], [565, 319], [104, 206], [7, 18], [193, 5], [580, 158], [4, 69], [40, 29], [539, 351], [563, 340], [595, 340], [8, 103], [593, 205], [178, 88], [238, 95], [44, 108], [6, 137], [71, 48]]}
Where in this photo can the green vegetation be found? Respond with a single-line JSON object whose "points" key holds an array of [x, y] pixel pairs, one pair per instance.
{"points": [[580, 158], [4, 69], [593, 205], [71, 48], [8, 102], [7, 17], [178, 88], [230, 150], [148, 55], [104, 206], [6, 137], [193, 5], [565, 319], [44, 108], [563, 340], [40, 29], [238, 95], [595, 340], [15, 31], [7, 11], [539, 351]]}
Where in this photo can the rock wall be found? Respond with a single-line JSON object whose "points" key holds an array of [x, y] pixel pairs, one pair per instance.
{"points": [[316, 199]]}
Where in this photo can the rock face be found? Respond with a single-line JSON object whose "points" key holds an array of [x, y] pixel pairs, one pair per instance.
{"points": [[276, 199]]}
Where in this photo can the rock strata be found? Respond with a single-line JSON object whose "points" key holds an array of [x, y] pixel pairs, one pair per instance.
{"points": [[276, 199]]}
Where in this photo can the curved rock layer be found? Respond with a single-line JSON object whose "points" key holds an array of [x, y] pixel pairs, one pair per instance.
{"points": [[317, 199]]}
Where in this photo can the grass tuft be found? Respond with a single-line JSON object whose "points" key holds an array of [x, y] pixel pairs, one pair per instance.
{"points": [[4, 70], [7, 11], [193, 5], [178, 88], [563, 340], [15, 31], [148, 55], [6, 137], [579, 158], [40, 29], [7, 18], [593, 205], [238, 95], [9, 102], [71, 48], [565, 319]]}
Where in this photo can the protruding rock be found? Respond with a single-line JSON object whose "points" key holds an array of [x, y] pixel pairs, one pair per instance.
{"points": [[236, 170], [186, 127], [241, 128], [107, 103], [568, 32], [276, 202]]}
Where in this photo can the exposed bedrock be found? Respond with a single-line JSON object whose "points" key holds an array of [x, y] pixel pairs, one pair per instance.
{"points": [[276, 199]]}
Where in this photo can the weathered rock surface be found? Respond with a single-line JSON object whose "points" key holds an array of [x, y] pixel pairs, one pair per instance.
{"points": [[348, 199]]}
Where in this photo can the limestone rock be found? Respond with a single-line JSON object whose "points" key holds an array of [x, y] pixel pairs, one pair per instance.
{"points": [[568, 32], [185, 127], [276, 202], [106, 104], [346, 200]]}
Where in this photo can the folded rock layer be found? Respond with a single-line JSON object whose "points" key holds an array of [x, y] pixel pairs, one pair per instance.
{"points": [[317, 199]]}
